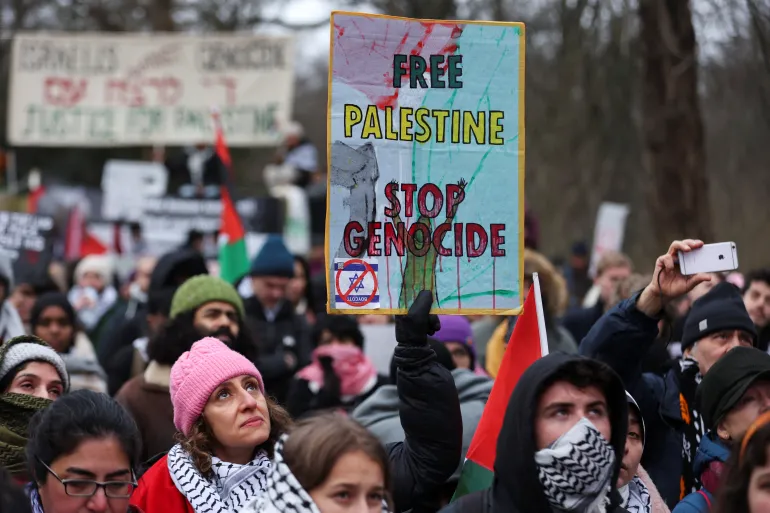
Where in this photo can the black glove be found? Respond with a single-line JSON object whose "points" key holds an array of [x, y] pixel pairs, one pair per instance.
{"points": [[413, 328], [332, 385]]}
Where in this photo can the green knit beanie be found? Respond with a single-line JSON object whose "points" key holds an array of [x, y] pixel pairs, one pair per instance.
{"points": [[202, 289]]}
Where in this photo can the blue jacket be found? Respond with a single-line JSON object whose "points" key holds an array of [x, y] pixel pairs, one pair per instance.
{"points": [[621, 339], [708, 451]]}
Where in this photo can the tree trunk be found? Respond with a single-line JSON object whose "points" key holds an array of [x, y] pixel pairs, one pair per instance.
{"points": [[672, 127], [161, 15]]}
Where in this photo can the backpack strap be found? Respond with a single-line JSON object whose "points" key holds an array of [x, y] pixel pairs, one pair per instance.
{"points": [[705, 496]]}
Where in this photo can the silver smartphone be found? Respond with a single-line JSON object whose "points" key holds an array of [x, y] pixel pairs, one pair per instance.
{"points": [[711, 258]]}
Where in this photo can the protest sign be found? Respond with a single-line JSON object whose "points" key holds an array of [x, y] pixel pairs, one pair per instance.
{"points": [[24, 234], [426, 165], [128, 89], [609, 231]]}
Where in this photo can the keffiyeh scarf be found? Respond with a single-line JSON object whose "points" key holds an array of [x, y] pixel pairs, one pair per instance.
{"points": [[283, 493], [230, 488], [689, 377], [16, 410], [636, 497], [576, 470]]}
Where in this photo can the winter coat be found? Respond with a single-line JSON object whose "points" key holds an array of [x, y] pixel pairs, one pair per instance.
{"points": [[579, 321], [379, 413], [621, 339], [147, 399], [157, 491], [516, 487], [303, 398], [709, 450], [430, 416], [288, 333], [116, 350], [83, 367]]}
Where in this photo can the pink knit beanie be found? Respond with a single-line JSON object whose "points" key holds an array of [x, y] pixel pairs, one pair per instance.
{"points": [[198, 372]]}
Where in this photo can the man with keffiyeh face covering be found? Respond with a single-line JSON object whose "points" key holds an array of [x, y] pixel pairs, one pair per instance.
{"points": [[562, 442]]}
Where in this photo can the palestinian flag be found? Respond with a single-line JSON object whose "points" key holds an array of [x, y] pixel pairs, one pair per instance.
{"points": [[233, 258], [523, 349]]}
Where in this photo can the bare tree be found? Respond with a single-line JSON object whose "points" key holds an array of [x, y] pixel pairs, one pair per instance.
{"points": [[671, 122]]}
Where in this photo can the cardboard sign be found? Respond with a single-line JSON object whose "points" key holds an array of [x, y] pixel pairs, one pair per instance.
{"points": [[132, 90], [609, 231], [426, 163]]}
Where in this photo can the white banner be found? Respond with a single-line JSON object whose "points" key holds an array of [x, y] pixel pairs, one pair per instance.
{"points": [[110, 89]]}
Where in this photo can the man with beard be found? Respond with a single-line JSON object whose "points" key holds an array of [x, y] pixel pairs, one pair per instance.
{"points": [[204, 306]]}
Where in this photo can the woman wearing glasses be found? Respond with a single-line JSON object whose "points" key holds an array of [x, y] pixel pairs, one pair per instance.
{"points": [[81, 455], [227, 432], [31, 375]]}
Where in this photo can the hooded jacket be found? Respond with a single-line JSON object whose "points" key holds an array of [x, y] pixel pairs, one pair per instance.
{"points": [[709, 451], [379, 413], [516, 487]]}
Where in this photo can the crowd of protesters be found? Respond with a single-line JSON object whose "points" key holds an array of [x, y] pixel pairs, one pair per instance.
{"points": [[179, 392]]}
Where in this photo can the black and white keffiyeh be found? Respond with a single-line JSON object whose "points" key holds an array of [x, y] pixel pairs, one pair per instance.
{"points": [[283, 493], [576, 470], [231, 487], [636, 497]]}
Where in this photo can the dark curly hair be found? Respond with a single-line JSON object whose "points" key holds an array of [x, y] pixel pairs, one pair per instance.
{"points": [[178, 335], [733, 495], [198, 444]]}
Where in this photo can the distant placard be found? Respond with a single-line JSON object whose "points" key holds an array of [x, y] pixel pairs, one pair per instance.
{"points": [[24, 233], [108, 89], [181, 215]]}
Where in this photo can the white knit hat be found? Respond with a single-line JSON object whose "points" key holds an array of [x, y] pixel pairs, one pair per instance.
{"points": [[27, 348], [102, 265]]}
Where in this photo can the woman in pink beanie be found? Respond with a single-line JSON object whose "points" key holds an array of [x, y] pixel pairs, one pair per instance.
{"points": [[227, 427]]}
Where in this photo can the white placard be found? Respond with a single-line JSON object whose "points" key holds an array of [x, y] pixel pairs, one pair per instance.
{"points": [[609, 232], [103, 89], [126, 184]]}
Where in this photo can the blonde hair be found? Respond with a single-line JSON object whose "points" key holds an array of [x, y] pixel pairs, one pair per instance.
{"points": [[554, 287], [611, 260]]}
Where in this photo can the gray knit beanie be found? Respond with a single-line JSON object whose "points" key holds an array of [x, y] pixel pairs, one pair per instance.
{"points": [[28, 348]]}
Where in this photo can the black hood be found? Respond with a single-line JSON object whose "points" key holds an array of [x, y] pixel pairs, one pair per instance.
{"points": [[516, 486], [175, 267]]}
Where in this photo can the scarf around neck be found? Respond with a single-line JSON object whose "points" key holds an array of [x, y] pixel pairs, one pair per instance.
{"points": [[283, 492], [576, 470], [16, 410], [688, 378], [34, 498], [356, 372], [230, 488], [636, 496]]}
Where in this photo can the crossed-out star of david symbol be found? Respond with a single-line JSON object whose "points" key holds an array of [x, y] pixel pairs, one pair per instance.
{"points": [[360, 284]]}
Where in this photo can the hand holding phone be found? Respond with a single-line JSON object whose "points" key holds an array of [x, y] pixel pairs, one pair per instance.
{"points": [[710, 258]]}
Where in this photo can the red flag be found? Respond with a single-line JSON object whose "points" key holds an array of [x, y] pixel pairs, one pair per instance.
{"points": [[79, 242], [233, 258], [523, 349]]}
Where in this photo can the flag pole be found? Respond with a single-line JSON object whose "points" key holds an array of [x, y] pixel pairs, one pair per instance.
{"points": [[540, 315]]}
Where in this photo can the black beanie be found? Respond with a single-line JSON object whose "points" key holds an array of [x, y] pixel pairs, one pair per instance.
{"points": [[727, 380], [720, 309]]}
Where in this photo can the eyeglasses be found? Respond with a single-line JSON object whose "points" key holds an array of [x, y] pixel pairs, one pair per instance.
{"points": [[88, 487]]}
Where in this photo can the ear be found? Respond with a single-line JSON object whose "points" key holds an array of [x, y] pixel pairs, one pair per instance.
{"points": [[722, 432]]}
